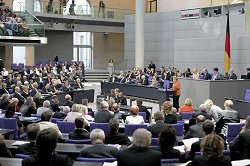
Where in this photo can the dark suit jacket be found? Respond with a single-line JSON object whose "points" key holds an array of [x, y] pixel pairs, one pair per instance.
{"points": [[99, 151], [205, 114], [59, 115], [117, 138], [102, 116], [248, 75], [168, 154], [170, 118], [135, 156], [27, 110], [79, 134], [28, 149], [4, 151], [144, 109], [208, 161], [54, 106], [242, 144], [3, 104], [54, 160], [195, 131], [207, 76], [68, 103], [155, 129], [20, 98], [232, 76]]}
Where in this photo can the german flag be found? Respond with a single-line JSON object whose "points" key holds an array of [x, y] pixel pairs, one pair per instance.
{"points": [[227, 58]]}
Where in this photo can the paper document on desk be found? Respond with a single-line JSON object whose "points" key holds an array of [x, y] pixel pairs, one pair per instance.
{"points": [[110, 164], [17, 143], [180, 148], [241, 162], [189, 142]]}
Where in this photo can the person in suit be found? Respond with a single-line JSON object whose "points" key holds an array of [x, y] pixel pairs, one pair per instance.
{"points": [[45, 154], [44, 108], [195, 131], [47, 89], [114, 137], [232, 75], [99, 149], [152, 66], [85, 103], [144, 80], [202, 111], [62, 114], [103, 115], [208, 128], [122, 98], [4, 101], [69, 101], [240, 146], [79, 132], [78, 84], [4, 89], [54, 104], [32, 131], [229, 114], [213, 109], [4, 151], [248, 73], [25, 92], [28, 108], [166, 76], [139, 152], [10, 113], [217, 75], [117, 114], [206, 75], [17, 94], [212, 147], [166, 108], [142, 108], [156, 128]]}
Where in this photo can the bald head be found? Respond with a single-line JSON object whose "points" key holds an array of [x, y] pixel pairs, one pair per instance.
{"points": [[134, 109]]}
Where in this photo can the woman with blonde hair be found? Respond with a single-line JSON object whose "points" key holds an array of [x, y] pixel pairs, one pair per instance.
{"points": [[195, 74], [84, 111], [170, 117], [75, 113], [187, 107]]}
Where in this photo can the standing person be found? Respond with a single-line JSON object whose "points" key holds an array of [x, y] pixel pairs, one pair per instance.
{"points": [[101, 7], [177, 92], [111, 67], [152, 65], [248, 73], [71, 8], [1, 65]]}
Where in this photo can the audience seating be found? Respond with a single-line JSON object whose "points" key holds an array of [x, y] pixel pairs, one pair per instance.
{"points": [[78, 141], [65, 127], [247, 95], [187, 115], [233, 129], [225, 153], [143, 114], [166, 84], [36, 115], [21, 156], [170, 160], [130, 128], [179, 128], [95, 159], [54, 120], [154, 141], [103, 126], [10, 123]]}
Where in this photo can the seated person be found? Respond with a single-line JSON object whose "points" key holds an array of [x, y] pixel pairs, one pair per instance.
{"points": [[75, 113], [229, 114], [4, 151], [134, 118], [69, 101], [114, 137], [46, 123], [116, 109], [179, 117], [62, 114], [99, 149], [79, 132], [212, 147], [32, 131], [142, 108], [202, 111], [139, 153], [10, 113], [166, 108], [85, 115], [46, 142], [85, 102], [156, 128], [44, 108], [4, 101], [195, 131], [103, 115], [167, 140], [54, 104], [122, 99], [28, 108], [187, 107]]}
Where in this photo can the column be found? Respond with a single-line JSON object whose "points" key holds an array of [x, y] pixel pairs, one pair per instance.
{"points": [[29, 4], [30, 55], [139, 33], [247, 17]]}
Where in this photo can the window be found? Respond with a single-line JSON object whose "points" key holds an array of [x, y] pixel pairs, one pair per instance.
{"points": [[19, 5], [82, 7], [19, 54], [83, 48]]}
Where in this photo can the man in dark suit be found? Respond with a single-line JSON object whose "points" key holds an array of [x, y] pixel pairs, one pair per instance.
{"points": [[152, 65], [34, 90], [207, 76], [69, 101], [54, 104], [4, 151], [232, 75], [114, 137], [208, 128], [103, 115], [28, 107], [202, 111], [195, 131], [139, 153], [113, 78], [217, 75], [144, 80], [32, 131], [79, 132], [4, 101], [156, 128], [46, 143], [17, 94], [62, 114], [99, 149], [240, 146], [143, 109]]}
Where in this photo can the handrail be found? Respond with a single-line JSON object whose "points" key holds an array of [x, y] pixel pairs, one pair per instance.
{"points": [[16, 23], [30, 13]]}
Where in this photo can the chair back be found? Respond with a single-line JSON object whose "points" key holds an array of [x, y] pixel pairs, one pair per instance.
{"points": [[10, 123], [187, 115], [166, 84], [170, 160], [78, 141], [95, 159], [233, 129], [21, 156], [54, 120], [225, 153], [179, 128], [247, 95], [143, 114], [154, 141], [103, 126], [130, 128], [65, 127], [36, 115]]}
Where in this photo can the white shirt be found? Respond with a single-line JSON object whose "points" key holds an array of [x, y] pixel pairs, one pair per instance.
{"points": [[44, 125], [71, 116], [134, 119]]}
